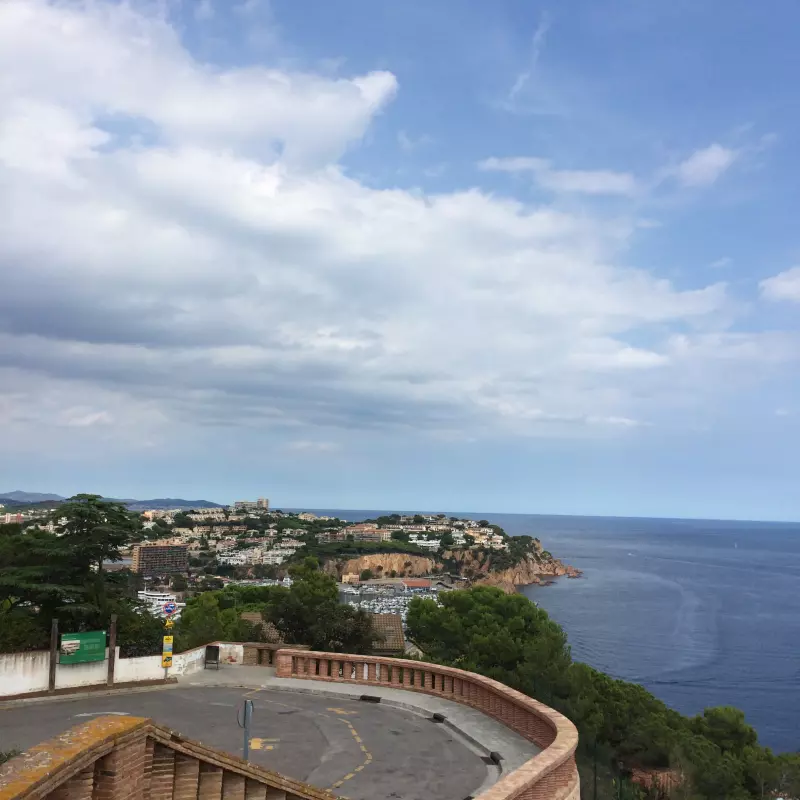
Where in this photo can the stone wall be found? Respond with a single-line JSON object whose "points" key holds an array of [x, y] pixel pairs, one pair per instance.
{"points": [[130, 758]]}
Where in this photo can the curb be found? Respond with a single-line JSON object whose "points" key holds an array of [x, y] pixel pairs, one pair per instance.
{"points": [[82, 692]]}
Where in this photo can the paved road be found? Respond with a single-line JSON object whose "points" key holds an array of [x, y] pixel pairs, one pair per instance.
{"points": [[357, 749]]}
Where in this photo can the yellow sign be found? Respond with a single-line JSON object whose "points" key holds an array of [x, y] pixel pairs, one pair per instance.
{"points": [[261, 744], [169, 623], [166, 652]]}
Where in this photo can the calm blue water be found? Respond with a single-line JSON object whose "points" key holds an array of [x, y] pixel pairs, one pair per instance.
{"points": [[700, 612]]}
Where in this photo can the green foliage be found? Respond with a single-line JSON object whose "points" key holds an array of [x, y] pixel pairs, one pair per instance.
{"points": [[309, 613], [366, 575], [183, 520], [204, 620], [504, 636], [44, 576], [22, 630], [352, 548], [139, 633], [621, 724]]}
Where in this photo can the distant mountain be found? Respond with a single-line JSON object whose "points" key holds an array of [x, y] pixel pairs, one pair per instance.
{"points": [[168, 502], [18, 498], [29, 497]]}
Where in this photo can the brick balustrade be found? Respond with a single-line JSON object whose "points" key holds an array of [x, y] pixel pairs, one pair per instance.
{"points": [[130, 758], [549, 775]]}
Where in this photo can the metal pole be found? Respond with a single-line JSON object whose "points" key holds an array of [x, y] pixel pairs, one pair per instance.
{"points": [[51, 679], [112, 650], [248, 716]]}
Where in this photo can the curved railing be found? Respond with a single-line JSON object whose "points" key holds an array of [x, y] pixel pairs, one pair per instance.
{"points": [[549, 775]]}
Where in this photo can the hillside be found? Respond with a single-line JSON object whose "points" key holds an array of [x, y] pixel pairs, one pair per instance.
{"points": [[19, 498], [480, 567], [28, 497]]}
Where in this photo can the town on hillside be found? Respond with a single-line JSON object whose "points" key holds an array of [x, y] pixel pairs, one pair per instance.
{"points": [[380, 563]]}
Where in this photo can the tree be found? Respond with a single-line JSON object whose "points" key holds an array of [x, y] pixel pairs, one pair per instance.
{"points": [[38, 570], [366, 575], [309, 613], [179, 583], [485, 630], [204, 621], [447, 541], [95, 529], [418, 519], [183, 520]]}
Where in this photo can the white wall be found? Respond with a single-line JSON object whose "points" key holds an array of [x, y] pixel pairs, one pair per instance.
{"points": [[68, 675], [143, 668], [230, 653], [188, 662], [21, 673], [24, 672]]}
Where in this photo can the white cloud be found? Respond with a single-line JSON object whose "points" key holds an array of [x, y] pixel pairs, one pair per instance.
{"points": [[783, 286], [537, 46], [580, 181], [706, 166], [85, 418], [112, 64], [304, 446], [208, 263]]}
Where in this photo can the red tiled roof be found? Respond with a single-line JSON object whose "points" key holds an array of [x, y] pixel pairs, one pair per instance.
{"points": [[417, 583]]}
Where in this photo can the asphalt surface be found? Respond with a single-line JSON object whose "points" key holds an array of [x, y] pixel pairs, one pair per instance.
{"points": [[356, 749]]}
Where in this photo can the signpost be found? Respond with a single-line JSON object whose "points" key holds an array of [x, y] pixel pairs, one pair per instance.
{"points": [[166, 649], [79, 648]]}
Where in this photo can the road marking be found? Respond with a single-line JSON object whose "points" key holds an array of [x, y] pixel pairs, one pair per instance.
{"points": [[342, 711], [260, 744], [367, 754], [103, 713]]}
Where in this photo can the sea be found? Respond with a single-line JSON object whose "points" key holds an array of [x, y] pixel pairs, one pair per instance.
{"points": [[700, 612]]}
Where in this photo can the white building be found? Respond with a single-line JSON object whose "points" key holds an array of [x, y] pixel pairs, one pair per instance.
{"points": [[428, 544], [274, 557]]}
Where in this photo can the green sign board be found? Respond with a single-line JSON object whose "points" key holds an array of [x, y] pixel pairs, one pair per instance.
{"points": [[77, 648]]}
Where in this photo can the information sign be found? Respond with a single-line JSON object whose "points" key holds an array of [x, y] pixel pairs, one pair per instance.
{"points": [[78, 648]]}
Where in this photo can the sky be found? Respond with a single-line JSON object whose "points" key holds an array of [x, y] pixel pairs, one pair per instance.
{"points": [[514, 256]]}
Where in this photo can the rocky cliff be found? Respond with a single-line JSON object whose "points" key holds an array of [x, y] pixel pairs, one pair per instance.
{"points": [[477, 566], [382, 565], [528, 571]]}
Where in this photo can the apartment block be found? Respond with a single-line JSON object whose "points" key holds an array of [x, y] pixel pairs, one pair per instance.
{"points": [[160, 559]]}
